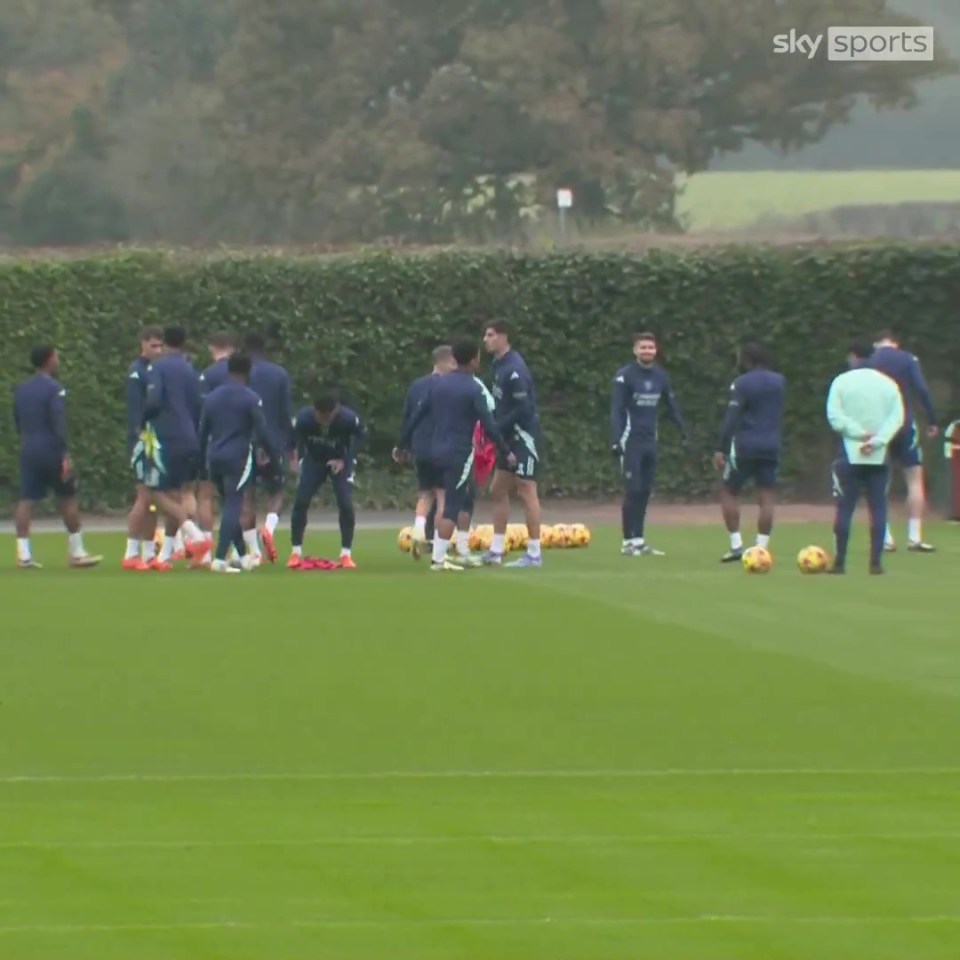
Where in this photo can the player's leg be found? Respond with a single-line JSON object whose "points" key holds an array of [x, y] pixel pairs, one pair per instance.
{"points": [[274, 482], [33, 488], [138, 525], [205, 493], [846, 492], [230, 484], [65, 490], [312, 476], [429, 482], [346, 514], [464, 517], [529, 496], [916, 502], [455, 491], [432, 514], [168, 486], [504, 484], [642, 490], [877, 481], [765, 480], [248, 520], [734, 479]]}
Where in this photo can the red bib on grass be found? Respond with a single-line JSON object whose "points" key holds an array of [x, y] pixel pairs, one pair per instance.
{"points": [[318, 563]]}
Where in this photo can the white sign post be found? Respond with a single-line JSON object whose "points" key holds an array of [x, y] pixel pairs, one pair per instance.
{"points": [[564, 203]]}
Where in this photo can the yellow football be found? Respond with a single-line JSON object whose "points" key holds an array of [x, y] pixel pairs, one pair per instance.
{"points": [[405, 539], [813, 559], [757, 560]]}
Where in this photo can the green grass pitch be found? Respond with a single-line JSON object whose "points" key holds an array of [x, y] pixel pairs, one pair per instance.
{"points": [[607, 758]]}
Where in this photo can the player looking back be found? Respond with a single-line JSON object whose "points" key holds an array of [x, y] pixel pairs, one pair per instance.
{"points": [[750, 444], [865, 408], [45, 465], [231, 424], [429, 473], [222, 346], [169, 454], [141, 523], [456, 403], [638, 389], [904, 368], [518, 422], [271, 383]]}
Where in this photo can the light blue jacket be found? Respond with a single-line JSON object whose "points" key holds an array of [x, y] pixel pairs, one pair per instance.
{"points": [[865, 403]]}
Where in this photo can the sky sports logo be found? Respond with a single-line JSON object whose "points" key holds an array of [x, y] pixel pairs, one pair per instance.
{"points": [[861, 44]]}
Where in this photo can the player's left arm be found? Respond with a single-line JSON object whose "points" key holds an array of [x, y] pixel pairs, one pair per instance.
{"points": [[406, 434], [731, 420], [519, 394], [153, 399], [839, 421], [920, 388], [673, 407], [261, 432], [286, 400]]}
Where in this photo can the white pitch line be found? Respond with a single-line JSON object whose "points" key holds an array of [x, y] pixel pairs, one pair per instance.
{"points": [[372, 924], [413, 775], [651, 839]]}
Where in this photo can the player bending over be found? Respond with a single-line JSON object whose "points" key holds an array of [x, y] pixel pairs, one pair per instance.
{"points": [[45, 466], [638, 389], [904, 368], [750, 444], [168, 457], [328, 436], [865, 408], [141, 521], [519, 423], [222, 346], [271, 383], [232, 425], [429, 473], [456, 403]]}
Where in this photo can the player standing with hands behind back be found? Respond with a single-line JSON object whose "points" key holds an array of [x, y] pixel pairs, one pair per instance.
{"points": [[638, 389]]}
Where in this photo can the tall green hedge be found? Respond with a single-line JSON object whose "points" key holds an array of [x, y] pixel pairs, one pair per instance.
{"points": [[367, 324]]}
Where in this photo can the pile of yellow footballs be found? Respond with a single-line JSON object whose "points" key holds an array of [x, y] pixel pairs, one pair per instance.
{"points": [[561, 536]]}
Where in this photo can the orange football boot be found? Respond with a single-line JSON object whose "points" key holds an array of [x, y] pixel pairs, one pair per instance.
{"points": [[346, 563], [269, 547], [294, 562], [135, 563]]}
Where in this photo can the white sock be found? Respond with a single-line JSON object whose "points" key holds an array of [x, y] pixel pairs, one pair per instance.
{"points": [[166, 551], [736, 541], [763, 540], [133, 549], [440, 548], [346, 552], [498, 539], [23, 548], [888, 536], [75, 544], [272, 521], [250, 539], [297, 551], [420, 528], [178, 538], [189, 531], [533, 548], [149, 551], [463, 543], [914, 530]]}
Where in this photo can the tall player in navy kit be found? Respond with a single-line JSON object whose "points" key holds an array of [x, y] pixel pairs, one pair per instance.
{"points": [[518, 422], [904, 368], [141, 523], [638, 389], [750, 444]]}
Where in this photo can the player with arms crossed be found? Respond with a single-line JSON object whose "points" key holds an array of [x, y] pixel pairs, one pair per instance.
{"points": [[865, 408], [168, 457], [519, 424], [456, 403], [904, 368], [141, 522], [638, 389], [45, 465], [328, 436], [429, 473], [222, 346], [750, 444], [231, 426], [271, 383]]}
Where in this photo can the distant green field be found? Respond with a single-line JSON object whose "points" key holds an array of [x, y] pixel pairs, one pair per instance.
{"points": [[607, 758], [730, 200]]}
